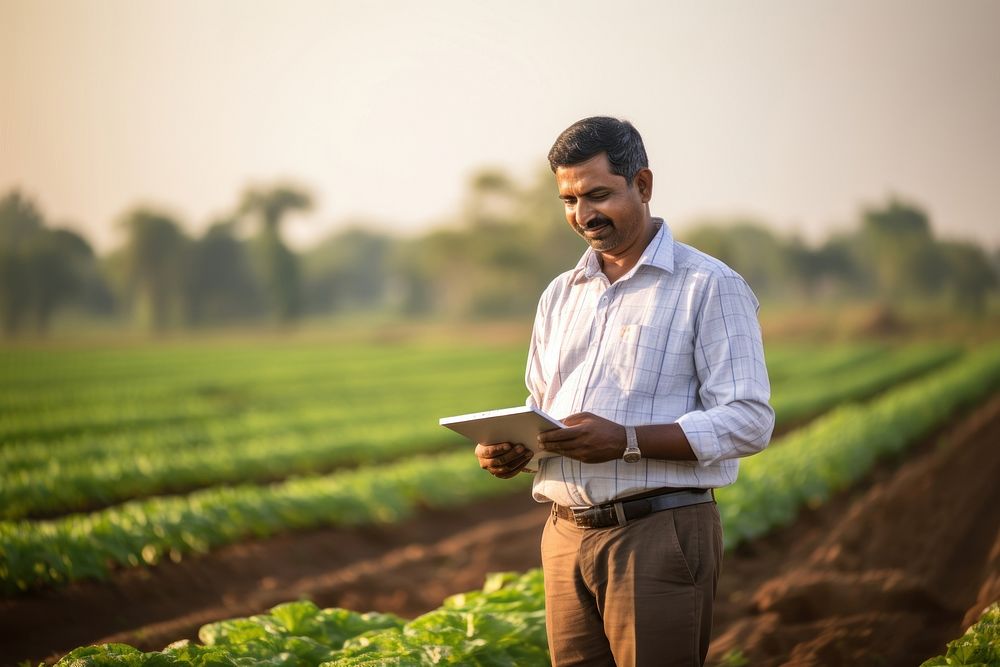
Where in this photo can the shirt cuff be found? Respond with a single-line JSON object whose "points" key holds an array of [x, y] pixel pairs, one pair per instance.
{"points": [[700, 433]]}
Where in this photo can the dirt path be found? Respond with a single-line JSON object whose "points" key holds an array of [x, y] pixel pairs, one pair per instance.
{"points": [[884, 574]]}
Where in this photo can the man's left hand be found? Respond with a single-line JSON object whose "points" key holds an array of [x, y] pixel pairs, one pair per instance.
{"points": [[586, 438]]}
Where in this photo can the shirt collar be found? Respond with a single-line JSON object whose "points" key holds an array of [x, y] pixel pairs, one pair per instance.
{"points": [[659, 254]]}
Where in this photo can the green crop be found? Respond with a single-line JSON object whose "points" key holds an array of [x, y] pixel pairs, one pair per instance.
{"points": [[345, 417], [979, 646], [798, 360], [809, 464], [41, 553], [817, 388], [114, 445], [772, 486], [504, 624]]}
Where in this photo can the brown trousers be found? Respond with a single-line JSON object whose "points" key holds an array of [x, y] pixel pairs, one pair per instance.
{"points": [[640, 594]]}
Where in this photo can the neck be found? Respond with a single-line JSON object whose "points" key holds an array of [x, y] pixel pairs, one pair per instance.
{"points": [[615, 264]]}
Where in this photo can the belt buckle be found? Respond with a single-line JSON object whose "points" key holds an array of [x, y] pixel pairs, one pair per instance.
{"points": [[620, 513], [596, 517]]}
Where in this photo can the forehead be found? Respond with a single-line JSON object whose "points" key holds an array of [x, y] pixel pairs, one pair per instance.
{"points": [[587, 175]]}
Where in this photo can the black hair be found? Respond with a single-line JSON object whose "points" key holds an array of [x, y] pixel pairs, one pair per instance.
{"points": [[601, 134]]}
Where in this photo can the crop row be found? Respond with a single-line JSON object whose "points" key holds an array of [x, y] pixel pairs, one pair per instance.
{"points": [[803, 467], [257, 458], [346, 404], [32, 371], [46, 379], [262, 374], [399, 401], [84, 546], [215, 397], [798, 397], [43, 406], [504, 624], [39, 479], [787, 359], [812, 462], [979, 646]]}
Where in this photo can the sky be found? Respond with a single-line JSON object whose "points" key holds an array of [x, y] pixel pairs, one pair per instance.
{"points": [[798, 114]]}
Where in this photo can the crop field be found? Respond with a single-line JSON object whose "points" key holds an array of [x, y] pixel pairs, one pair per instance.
{"points": [[240, 502]]}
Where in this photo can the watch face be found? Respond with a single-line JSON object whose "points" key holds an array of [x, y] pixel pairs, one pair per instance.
{"points": [[632, 457]]}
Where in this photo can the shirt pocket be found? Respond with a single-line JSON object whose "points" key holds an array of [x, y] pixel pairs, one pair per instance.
{"points": [[638, 359]]}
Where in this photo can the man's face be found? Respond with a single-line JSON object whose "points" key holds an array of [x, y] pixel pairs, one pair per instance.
{"points": [[600, 205]]}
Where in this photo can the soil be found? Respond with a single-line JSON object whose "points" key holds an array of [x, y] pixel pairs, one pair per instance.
{"points": [[886, 574], [883, 574]]}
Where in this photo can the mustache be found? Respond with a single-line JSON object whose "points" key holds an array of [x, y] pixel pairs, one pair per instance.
{"points": [[597, 221]]}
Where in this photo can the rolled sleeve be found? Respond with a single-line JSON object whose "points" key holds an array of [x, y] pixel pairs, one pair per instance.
{"points": [[735, 418]]}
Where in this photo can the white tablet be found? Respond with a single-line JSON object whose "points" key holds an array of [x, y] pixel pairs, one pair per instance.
{"points": [[520, 425]]}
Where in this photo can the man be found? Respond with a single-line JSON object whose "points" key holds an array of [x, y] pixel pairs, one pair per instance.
{"points": [[650, 352]]}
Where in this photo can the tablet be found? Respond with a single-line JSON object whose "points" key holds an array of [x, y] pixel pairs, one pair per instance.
{"points": [[520, 425]]}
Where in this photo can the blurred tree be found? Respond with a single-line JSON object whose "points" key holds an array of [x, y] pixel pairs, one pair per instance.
{"points": [[751, 250], [20, 220], [348, 271], [507, 280], [490, 200], [510, 241], [410, 289], [156, 257], [440, 271], [543, 217], [61, 263], [896, 245], [827, 270], [40, 268], [277, 265], [971, 276], [221, 286]]}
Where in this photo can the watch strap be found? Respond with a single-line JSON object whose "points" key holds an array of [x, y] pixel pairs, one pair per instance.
{"points": [[632, 453]]}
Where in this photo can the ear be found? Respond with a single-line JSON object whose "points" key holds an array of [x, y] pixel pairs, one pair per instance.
{"points": [[644, 183]]}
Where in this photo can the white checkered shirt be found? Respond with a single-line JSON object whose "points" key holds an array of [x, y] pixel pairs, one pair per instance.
{"points": [[676, 339]]}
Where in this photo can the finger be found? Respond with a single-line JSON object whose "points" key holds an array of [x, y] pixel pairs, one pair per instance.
{"points": [[559, 434], [507, 457], [577, 418], [511, 467], [489, 451], [559, 446]]}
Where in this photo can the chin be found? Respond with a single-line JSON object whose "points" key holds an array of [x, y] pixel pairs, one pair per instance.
{"points": [[600, 244], [603, 245]]}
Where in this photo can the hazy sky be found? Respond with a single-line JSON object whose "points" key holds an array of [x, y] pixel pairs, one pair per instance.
{"points": [[797, 112]]}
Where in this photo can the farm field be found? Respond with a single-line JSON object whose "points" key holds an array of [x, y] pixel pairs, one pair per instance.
{"points": [[151, 490]]}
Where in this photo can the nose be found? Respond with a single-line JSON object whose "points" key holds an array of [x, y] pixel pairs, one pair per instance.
{"points": [[584, 212]]}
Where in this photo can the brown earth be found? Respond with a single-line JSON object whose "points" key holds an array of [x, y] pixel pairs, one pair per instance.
{"points": [[884, 574]]}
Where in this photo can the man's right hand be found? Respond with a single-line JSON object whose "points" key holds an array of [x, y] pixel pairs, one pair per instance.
{"points": [[503, 459]]}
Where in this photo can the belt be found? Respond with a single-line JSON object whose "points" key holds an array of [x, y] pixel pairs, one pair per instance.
{"points": [[620, 512]]}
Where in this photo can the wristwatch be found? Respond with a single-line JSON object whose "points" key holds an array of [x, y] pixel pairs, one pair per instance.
{"points": [[632, 453]]}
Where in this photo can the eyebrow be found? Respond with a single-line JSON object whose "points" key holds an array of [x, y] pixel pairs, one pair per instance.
{"points": [[599, 188]]}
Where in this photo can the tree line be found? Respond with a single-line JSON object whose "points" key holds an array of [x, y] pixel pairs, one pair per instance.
{"points": [[506, 243]]}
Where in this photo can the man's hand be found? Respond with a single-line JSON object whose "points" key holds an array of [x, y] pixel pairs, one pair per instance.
{"points": [[586, 438], [503, 460]]}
